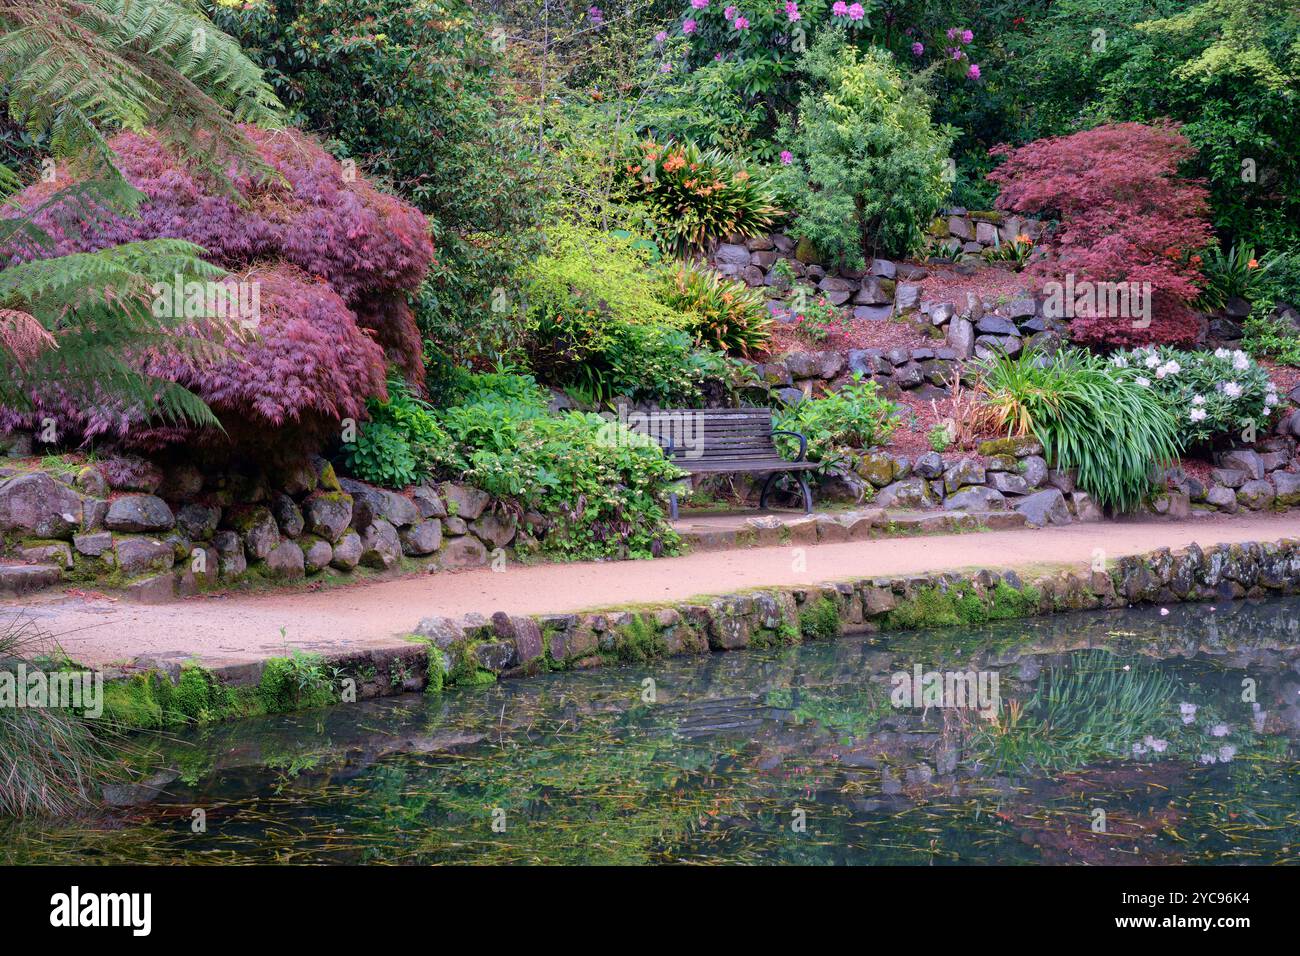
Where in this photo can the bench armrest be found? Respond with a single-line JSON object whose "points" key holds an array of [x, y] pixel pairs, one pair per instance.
{"points": [[803, 442]]}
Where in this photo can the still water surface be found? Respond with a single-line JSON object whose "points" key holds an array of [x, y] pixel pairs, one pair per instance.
{"points": [[1121, 737]]}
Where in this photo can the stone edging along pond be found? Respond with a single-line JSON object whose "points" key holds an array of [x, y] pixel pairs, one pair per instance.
{"points": [[445, 652]]}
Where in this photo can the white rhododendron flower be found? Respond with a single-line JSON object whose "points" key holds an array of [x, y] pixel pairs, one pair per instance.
{"points": [[1197, 414]]}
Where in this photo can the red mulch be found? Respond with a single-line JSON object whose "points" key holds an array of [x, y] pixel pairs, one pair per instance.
{"points": [[948, 284], [1284, 377], [918, 417], [859, 334]]}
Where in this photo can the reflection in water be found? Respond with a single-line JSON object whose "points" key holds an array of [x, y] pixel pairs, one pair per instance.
{"points": [[1121, 737]]}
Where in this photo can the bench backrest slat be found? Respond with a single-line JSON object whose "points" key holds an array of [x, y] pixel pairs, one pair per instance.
{"points": [[719, 434]]}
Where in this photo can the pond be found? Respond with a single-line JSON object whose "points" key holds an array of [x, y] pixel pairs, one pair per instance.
{"points": [[1140, 736]]}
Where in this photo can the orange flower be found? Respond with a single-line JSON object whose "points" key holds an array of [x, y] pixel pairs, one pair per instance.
{"points": [[1252, 264]]}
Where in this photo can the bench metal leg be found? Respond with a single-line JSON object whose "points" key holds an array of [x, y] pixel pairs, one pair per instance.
{"points": [[767, 486], [807, 493]]}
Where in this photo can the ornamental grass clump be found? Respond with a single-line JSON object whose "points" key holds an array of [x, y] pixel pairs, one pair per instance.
{"points": [[51, 760], [1091, 416]]}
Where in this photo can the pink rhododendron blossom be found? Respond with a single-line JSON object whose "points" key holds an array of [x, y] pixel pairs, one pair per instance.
{"points": [[699, 4], [741, 23], [967, 36], [594, 14], [974, 71], [688, 27], [841, 9], [787, 157], [918, 49], [730, 13], [661, 36], [792, 11], [856, 12]]}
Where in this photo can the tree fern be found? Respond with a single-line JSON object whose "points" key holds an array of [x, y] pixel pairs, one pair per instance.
{"points": [[75, 72]]}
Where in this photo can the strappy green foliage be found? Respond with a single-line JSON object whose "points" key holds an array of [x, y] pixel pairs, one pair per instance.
{"points": [[1090, 416], [75, 72]]}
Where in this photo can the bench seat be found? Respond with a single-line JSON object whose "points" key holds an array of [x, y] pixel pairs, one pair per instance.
{"points": [[718, 441]]}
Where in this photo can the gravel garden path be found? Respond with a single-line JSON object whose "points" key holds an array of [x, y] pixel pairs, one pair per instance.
{"points": [[215, 629]]}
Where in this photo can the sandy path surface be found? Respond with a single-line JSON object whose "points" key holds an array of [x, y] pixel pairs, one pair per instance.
{"points": [[220, 629]]}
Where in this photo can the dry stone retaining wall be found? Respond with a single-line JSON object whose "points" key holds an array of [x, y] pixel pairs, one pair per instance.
{"points": [[166, 532]]}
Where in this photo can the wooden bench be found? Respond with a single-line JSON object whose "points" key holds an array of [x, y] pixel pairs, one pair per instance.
{"points": [[730, 441]]}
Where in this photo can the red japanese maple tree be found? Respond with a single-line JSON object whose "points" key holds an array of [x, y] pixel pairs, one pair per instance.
{"points": [[1125, 216], [333, 258]]}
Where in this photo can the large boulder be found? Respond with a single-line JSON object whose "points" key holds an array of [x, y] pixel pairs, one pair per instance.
{"points": [[1243, 459], [909, 493], [975, 498], [327, 514], [1288, 488], [287, 515], [39, 506], [876, 467], [963, 473], [1033, 468], [258, 530], [380, 546], [286, 561], [463, 552], [347, 551], [139, 513], [1043, 508], [428, 502], [1256, 494], [465, 502], [137, 555], [423, 538], [495, 530], [198, 522], [316, 553]]}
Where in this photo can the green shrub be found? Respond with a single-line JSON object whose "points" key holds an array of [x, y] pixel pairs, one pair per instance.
{"points": [[868, 166], [1268, 335], [297, 682], [695, 196], [595, 323], [857, 416], [602, 486], [820, 621], [1090, 415], [401, 444], [1209, 394], [725, 314]]}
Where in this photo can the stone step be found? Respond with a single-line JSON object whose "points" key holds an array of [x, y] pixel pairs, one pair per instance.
{"points": [[731, 532], [25, 578]]}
